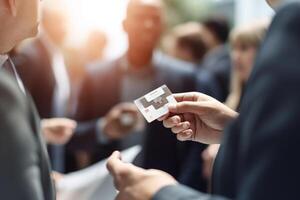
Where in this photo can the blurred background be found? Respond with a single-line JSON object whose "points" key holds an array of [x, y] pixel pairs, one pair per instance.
{"points": [[107, 16], [93, 58]]}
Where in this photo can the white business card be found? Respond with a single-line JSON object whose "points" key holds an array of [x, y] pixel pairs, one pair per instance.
{"points": [[155, 104]]}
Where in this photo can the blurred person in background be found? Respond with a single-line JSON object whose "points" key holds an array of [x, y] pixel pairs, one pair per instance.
{"points": [[94, 47], [185, 42], [245, 41], [41, 65], [215, 33], [107, 123], [78, 58]]}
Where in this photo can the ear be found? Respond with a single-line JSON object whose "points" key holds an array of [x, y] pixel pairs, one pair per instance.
{"points": [[12, 7]]}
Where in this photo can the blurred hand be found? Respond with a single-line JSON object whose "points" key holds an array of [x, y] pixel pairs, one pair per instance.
{"points": [[58, 130], [134, 183], [198, 117], [56, 176], [122, 120], [208, 157]]}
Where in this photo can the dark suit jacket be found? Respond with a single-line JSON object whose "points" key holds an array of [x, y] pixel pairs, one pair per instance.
{"points": [[34, 67], [24, 168], [259, 158], [219, 64], [101, 91]]}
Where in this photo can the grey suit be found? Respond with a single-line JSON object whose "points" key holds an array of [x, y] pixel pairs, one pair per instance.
{"points": [[24, 168], [259, 157]]}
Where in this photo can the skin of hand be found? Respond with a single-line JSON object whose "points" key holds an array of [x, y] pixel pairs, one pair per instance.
{"points": [[135, 183], [198, 117], [56, 176], [114, 124], [58, 131], [208, 157]]}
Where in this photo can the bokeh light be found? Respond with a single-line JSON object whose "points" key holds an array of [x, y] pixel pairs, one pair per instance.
{"points": [[104, 15]]}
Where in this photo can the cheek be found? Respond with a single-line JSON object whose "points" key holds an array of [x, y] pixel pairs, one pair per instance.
{"points": [[33, 12]]}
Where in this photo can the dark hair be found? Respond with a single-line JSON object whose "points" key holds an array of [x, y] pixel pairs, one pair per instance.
{"points": [[194, 44], [219, 27]]}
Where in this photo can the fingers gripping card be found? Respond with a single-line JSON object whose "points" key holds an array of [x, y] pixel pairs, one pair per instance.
{"points": [[155, 104]]}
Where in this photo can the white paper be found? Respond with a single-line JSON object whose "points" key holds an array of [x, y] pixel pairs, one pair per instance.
{"points": [[92, 183]]}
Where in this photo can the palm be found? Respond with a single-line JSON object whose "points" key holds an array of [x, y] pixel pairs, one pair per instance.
{"points": [[202, 129], [207, 119]]}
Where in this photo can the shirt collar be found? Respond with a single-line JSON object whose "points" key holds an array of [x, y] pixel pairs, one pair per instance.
{"points": [[3, 59]]}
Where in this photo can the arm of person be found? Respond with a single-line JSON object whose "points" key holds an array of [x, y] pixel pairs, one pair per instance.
{"points": [[122, 120], [88, 134], [58, 131], [198, 117], [19, 169], [268, 160], [138, 184]]}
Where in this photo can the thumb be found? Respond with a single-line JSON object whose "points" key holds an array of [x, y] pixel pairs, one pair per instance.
{"points": [[114, 163]]}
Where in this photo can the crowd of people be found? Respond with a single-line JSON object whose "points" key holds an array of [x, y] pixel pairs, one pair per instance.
{"points": [[232, 134]]}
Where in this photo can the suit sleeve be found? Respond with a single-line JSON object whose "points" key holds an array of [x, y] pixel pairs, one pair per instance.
{"points": [[85, 133], [180, 192], [269, 145], [19, 169], [88, 131]]}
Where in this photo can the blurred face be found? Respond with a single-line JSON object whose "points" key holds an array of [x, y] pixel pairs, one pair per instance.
{"points": [[29, 17], [183, 54], [21, 21], [243, 57], [55, 25], [143, 26]]}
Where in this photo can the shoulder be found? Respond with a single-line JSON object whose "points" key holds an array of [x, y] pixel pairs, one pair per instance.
{"points": [[103, 68], [279, 55], [292, 7]]}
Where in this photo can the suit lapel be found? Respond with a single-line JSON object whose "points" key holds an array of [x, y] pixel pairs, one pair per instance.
{"points": [[43, 154]]}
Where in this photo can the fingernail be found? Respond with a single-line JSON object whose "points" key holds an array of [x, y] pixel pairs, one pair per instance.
{"points": [[189, 133], [186, 125]]}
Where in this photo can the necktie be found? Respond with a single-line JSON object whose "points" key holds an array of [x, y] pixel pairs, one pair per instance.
{"points": [[10, 68]]}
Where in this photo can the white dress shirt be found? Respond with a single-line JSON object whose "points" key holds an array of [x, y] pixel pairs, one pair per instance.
{"points": [[62, 93], [62, 89], [3, 59]]}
